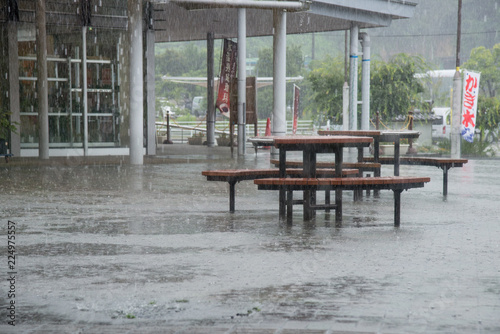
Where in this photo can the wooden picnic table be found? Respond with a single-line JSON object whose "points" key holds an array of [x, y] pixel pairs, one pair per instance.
{"points": [[378, 137], [310, 147]]}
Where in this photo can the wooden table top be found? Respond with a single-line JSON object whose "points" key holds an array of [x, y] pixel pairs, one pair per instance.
{"points": [[383, 135], [312, 140]]}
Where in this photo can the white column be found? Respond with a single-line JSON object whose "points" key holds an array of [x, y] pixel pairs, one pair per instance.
{"points": [[210, 91], [85, 105], [150, 92], [136, 83], [365, 82], [42, 88], [14, 102], [278, 127], [242, 80], [456, 116], [345, 107], [353, 76]]}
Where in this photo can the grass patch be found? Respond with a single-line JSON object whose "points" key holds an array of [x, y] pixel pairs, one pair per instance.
{"points": [[186, 118], [476, 148]]}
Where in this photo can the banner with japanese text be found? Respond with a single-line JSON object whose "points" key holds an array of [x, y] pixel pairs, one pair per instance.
{"points": [[296, 99], [227, 75], [469, 105]]}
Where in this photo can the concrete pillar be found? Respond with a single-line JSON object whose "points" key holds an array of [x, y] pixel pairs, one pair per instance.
{"points": [[210, 91], [14, 102], [345, 90], [150, 92], [456, 116], [345, 107], [136, 83], [456, 110], [85, 104], [42, 84], [278, 127], [353, 76], [242, 80], [365, 82], [77, 85]]}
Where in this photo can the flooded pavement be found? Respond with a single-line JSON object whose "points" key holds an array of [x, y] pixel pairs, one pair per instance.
{"points": [[110, 248]]}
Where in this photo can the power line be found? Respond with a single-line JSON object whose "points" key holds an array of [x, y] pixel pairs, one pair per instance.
{"points": [[436, 35]]}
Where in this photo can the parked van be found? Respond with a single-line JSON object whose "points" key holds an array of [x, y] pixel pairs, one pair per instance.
{"points": [[441, 124]]}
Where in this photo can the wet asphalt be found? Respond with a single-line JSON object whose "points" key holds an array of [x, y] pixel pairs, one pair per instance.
{"points": [[105, 247]]}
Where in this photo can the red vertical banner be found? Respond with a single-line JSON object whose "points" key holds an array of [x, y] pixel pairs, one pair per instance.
{"points": [[296, 99], [227, 74]]}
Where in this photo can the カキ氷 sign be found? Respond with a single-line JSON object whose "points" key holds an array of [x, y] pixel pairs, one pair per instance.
{"points": [[469, 105]]}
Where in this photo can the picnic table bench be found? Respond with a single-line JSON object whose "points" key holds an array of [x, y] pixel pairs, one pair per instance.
{"points": [[444, 163], [310, 178], [233, 176], [361, 166], [395, 183]]}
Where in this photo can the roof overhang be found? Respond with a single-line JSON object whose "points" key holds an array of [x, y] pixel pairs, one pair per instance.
{"points": [[184, 20]]}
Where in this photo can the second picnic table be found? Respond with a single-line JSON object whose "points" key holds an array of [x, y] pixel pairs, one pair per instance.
{"points": [[379, 136]]}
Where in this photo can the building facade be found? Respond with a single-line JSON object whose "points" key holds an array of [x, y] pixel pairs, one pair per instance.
{"points": [[78, 75]]}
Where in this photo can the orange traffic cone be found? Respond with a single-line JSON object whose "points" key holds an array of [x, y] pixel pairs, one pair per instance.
{"points": [[268, 127]]}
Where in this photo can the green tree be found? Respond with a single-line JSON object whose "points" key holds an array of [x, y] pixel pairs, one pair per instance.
{"points": [[294, 67], [486, 61], [394, 88], [188, 60], [488, 118], [6, 127], [326, 79]]}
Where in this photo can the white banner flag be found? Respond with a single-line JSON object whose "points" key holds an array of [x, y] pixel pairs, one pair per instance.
{"points": [[469, 105]]}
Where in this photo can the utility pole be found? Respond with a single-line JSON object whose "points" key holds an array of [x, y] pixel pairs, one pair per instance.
{"points": [[456, 111], [345, 90], [42, 83]]}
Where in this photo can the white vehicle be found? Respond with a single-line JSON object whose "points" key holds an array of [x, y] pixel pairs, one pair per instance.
{"points": [[441, 125], [161, 115]]}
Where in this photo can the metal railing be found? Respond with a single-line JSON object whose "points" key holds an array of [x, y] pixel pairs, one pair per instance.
{"points": [[181, 131]]}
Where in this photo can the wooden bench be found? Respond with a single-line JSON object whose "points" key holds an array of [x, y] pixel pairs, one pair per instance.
{"points": [[233, 176], [444, 163], [360, 166], [395, 183]]}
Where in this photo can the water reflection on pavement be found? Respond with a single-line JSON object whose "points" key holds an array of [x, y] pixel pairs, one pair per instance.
{"points": [[112, 247]]}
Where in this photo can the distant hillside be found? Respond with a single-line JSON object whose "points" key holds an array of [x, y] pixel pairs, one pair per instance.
{"points": [[432, 31]]}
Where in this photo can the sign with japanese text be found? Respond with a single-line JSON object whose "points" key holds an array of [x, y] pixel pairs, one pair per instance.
{"points": [[227, 75], [469, 105], [296, 99]]}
